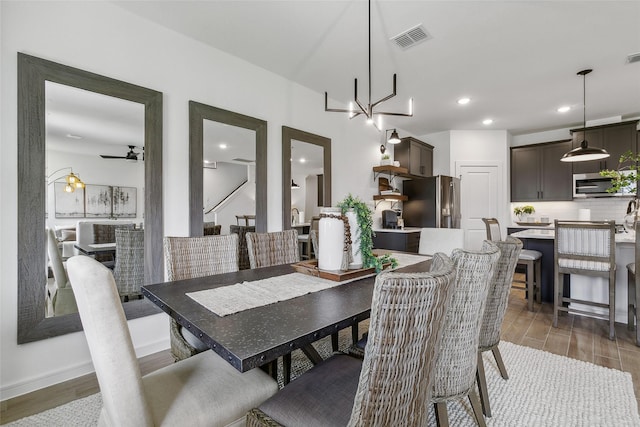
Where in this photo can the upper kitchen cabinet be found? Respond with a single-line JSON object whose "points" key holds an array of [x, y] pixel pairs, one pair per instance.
{"points": [[537, 174], [415, 155], [616, 138]]}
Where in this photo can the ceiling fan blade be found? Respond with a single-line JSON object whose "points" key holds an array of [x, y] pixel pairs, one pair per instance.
{"points": [[105, 156]]}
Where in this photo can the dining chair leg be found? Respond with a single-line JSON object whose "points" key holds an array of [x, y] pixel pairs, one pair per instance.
{"points": [[538, 281], [286, 368], [482, 386], [442, 417], [631, 293], [354, 334], [477, 410], [557, 297], [496, 355], [530, 278], [612, 304]]}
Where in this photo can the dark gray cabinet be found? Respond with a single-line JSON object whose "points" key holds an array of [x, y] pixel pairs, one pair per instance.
{"points": [[405, 241], [617, 139], [537, 174], [415, 155]]}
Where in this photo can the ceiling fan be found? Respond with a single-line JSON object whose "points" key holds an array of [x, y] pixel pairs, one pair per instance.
{"points": [[130, 156]]}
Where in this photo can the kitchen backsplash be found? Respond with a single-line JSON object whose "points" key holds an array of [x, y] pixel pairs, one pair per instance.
{"points": [[604, 208]]}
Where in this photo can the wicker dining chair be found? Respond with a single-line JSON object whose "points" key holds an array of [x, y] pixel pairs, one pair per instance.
{"points": [[129, 268], [494, 311], [633, 289], [190, 257], [204, 390], [63, 299], [276, 248], [530, 259], [456, 364], [386, 388], [585, 248]]}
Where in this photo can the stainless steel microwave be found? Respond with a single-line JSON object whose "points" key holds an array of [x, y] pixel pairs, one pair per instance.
{"points": [[594, 185]]}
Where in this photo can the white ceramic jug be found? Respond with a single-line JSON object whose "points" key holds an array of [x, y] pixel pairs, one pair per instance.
{"points": [[331, 238]]}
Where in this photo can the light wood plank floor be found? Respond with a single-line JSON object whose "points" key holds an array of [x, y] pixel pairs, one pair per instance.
{"points": [[576, 337]]}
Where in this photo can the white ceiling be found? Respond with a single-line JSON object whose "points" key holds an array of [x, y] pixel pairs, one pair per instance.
{"points": [[516, 60]]}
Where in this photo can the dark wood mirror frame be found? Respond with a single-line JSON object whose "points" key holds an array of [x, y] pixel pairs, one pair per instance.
{"points": [[197, 114], [289, 134], [33, 72]]}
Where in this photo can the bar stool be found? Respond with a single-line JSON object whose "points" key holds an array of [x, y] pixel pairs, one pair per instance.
{"points": [[530, 259], [634, 290], [585, 248]]}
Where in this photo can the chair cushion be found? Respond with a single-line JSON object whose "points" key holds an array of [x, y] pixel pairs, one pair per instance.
{"points": [[205, 390], [529, 255], [632, 267], [322, 396]]}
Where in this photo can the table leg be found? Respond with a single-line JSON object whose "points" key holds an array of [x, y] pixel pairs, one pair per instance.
{"points": [[312, 354]]}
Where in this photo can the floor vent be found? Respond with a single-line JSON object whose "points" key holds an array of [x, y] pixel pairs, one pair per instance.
{"points": [[411, 37]]}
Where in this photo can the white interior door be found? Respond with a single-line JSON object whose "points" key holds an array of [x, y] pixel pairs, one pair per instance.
{"points": [[479, 191]]}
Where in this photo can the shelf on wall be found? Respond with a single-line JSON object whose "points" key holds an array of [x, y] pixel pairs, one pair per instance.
{"points": [[393, 198], [392, 171]]}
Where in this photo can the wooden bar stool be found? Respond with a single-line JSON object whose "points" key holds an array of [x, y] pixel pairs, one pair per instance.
{"points": [[529, 259], [634, 290]]}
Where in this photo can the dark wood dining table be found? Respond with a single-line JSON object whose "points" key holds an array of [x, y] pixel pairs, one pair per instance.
{"points": [[258, 336], [96, 248]]}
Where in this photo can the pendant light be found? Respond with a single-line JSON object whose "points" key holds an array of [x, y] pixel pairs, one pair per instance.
{"points": [[294, 186], [584, 152], [368, 110]]}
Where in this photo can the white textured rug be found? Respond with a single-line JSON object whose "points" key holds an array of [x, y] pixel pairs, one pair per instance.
{"points": [[543, 389]]}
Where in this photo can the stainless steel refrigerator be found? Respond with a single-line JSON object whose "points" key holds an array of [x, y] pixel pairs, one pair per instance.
{"points": [[433, 202]]}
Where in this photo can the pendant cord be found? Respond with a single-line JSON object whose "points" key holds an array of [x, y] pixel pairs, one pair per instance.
{"points": [[584, 104], [370, 112]]}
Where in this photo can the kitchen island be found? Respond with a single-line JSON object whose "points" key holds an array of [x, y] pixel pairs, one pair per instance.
{"points": [[583, 287]]}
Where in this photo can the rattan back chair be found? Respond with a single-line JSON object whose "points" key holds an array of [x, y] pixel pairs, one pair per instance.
{"points": [[393, 384], [276, 248], [191, 257], [633, 289], [585, 248], [63, 300], [129, 268], [456, 364], [494, 311], [204, 390], [530, 259]]}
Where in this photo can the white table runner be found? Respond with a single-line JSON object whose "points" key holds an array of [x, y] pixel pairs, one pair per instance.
{"points": [[246, 295]]}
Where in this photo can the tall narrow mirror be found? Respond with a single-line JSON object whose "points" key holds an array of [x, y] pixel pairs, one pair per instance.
{"points": [[228, 172], [73, 123], [306, 176]]}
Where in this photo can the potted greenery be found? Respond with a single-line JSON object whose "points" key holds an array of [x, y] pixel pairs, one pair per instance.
{"points": [[385, 160], [364, 218], [522, 211]]}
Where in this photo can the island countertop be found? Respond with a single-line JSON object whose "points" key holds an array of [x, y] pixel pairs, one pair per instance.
{"points": [[537, 233]]}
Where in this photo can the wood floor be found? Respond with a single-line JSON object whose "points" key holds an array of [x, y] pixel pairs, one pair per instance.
{"points": [[576, 337]]}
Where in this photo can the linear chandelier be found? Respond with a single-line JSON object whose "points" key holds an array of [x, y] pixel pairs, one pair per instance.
{"points": [[368, 110]]}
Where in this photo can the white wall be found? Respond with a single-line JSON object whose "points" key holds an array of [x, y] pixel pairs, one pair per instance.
{"points": [[102, 38]]}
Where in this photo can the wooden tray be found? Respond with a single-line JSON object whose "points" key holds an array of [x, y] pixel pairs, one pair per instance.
{"points": [[533, 224], [311, 268]]}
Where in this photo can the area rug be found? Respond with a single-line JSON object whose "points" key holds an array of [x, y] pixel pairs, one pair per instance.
{"points": [[543, 389]]}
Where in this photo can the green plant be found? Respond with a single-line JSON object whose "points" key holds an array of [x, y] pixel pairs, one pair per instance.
{"points": [[364, 218], [625, 177], [527, 209], [385, 157]]}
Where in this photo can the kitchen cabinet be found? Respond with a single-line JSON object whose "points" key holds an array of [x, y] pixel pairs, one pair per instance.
{"points": [[537, 174], [416, 156], [397, 240], [617, 139]]}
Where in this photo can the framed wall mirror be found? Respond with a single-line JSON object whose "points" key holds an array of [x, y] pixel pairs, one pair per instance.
{"points": [[227, 170], [48, 93], [306, 175]]}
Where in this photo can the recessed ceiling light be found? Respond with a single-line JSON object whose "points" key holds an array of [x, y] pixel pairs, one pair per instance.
{"points": [[487, 121], [303, 160], [223, 146], [463, 101], [564, 109]]}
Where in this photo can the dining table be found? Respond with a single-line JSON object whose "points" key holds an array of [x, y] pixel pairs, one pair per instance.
{"points": [[257, 336], [96, 248]]}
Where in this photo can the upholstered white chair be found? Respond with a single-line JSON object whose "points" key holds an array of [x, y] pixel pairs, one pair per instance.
{"points": [[392, 385], [445, 240], [202, 390], [63, 299], [530, 259], [585, 248], [191, 257]]}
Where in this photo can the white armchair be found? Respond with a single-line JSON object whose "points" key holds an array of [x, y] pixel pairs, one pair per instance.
{"points": [[445, 240]]}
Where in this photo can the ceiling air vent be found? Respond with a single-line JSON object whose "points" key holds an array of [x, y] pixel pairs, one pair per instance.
{"points": [[634, 57], [411, 37]]}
